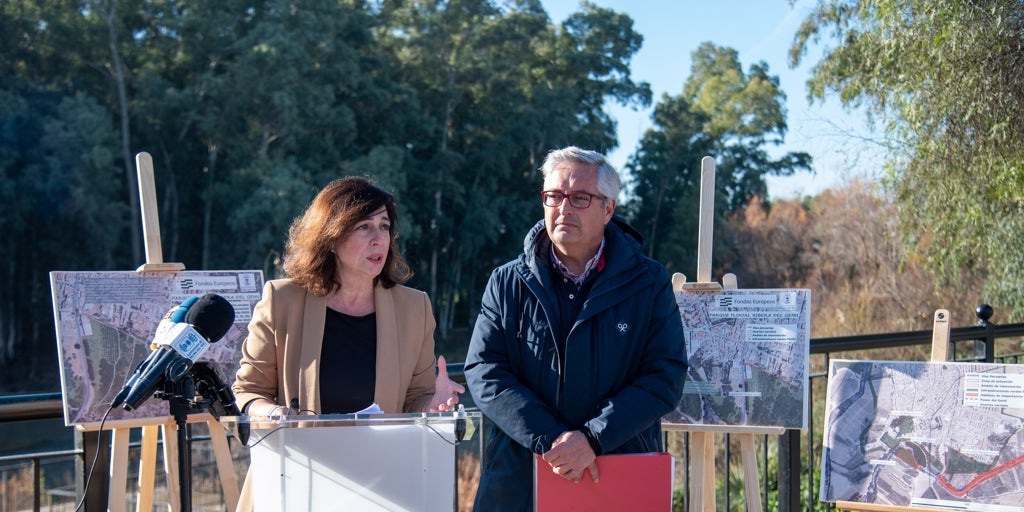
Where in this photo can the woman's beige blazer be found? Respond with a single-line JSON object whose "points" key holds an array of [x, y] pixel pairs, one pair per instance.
{"points": [[281, 355]]}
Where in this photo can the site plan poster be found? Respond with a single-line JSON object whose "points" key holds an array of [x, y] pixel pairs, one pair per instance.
{"points": [[748, 353], [926, 434], [106, 321]]}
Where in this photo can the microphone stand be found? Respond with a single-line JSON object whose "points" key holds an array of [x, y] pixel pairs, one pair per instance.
{"points": [[179, 396], [219, 399], [201, 388]]}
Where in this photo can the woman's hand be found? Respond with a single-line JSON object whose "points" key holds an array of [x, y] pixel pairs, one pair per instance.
{"points": [[446, 391], [269, 409]]}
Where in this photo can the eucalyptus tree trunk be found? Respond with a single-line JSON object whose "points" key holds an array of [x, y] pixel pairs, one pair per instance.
{"points": [[131, 179]]}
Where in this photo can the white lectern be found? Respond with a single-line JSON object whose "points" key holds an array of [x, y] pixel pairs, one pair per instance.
{"points": [[366, 462]]}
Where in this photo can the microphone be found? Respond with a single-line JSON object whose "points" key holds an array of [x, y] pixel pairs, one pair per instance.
{"points": [[206, 321], [174, 315]]}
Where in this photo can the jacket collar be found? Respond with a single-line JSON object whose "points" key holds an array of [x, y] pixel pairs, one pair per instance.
{"points": [[623, 246]]}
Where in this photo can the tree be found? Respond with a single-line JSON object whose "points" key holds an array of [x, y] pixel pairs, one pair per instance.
{"points": [[769, 245], [106, 11], [865, 280], [64, 201], [724, 113], [946, 79], [500, 87], [248, 108], [843, 245], [63, 209]]}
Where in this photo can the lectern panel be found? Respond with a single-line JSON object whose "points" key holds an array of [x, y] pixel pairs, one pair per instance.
{"points": [[386, 467]]}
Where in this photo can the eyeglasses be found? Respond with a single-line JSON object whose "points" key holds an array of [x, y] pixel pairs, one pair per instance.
{"points": [[581, 200]]}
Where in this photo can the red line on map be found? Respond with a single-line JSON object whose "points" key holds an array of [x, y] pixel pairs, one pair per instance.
{"points": [[980, 479]]}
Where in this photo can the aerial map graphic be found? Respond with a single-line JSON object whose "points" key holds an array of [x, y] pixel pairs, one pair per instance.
{"points": [[927, 434], [106, 320], [748, 352]]}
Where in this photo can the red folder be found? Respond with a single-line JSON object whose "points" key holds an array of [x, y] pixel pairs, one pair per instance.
{"points": [[634, 482]]}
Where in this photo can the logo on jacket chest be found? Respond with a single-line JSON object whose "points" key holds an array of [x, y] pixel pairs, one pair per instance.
{"points": [[622, 327]]}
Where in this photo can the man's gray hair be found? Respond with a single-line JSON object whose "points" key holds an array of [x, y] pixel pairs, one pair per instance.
{"points": [[608, 181]]}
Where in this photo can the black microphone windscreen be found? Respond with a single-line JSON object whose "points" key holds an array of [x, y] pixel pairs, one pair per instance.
{"points": [[211, 316]]}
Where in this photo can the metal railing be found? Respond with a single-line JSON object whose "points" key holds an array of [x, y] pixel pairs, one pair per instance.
{"points": [[89, 460], [792, 489]]}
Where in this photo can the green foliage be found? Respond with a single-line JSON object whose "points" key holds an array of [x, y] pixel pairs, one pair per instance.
{"points": [[501, 88], [248, 108], [722, 112], [946, 79], [61, 209]]}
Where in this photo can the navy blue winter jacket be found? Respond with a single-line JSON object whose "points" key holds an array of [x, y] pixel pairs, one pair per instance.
{"points": [[624, 362]]}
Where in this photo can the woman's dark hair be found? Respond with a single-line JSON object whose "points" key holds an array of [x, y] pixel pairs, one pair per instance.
{"points": [[331, 217]]}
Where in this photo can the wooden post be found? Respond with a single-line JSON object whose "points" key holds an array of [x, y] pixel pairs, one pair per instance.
{"points": [[118, 468], [151, 219], [706, 221], [147, 472]]}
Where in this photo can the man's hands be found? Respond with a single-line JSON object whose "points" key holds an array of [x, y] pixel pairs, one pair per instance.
{"points": [[446, 391], [570, 455]]}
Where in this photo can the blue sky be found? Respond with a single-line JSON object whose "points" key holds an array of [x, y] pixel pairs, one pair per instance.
{"points": [[759, 30]]}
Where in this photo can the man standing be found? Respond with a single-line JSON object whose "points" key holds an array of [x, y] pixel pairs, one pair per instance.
{"points": [[578, 350]]}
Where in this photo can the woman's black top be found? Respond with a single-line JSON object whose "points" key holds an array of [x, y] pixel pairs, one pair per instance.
{"points": [[348, 362]]}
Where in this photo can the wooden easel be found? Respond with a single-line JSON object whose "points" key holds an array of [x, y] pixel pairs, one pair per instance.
{"points": [[702, 437], [152, 428], [940, 352]]}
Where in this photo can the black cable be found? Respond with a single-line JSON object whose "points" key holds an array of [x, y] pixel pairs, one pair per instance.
{"points": [[445, 439], [260, 440], [95, 458]]}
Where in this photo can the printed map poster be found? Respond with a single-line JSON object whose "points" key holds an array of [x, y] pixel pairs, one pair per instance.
{"points": [[748, 353], [926, 434], [106, 321]]}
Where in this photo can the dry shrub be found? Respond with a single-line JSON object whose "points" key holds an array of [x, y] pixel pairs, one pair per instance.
{"points": [[468, 480], [17, 491], [843, 245]]}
